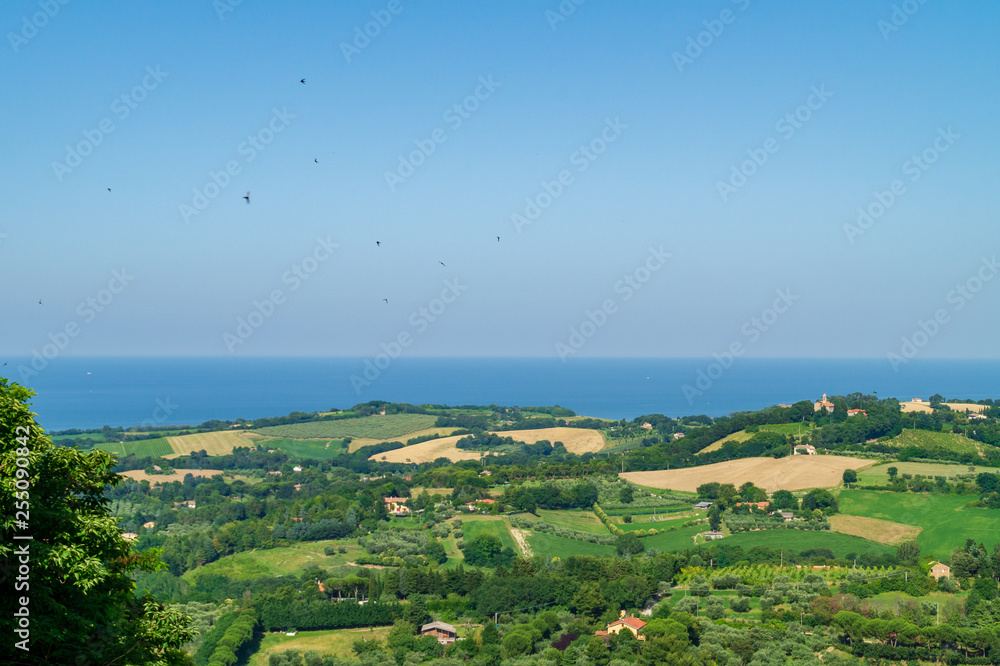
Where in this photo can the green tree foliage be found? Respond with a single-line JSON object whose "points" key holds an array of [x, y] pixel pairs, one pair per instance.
{"points": [[784, 500], [82, 599], [850, 476], [629, 544], [820, 499]]}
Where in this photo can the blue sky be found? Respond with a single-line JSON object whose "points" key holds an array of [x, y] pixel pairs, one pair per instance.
{"points": [[199, 82]]}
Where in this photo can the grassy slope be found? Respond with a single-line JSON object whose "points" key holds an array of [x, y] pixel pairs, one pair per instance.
{"points": [[800, 540], [337, 642], [474, 525], [937, 440], [289, 561], [877, 474], [549, 546], [373, 427], [946, 523], [143, 448], [310, 448], [577, 519]]}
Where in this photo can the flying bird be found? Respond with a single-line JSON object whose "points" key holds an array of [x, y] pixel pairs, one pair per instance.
{"points": [[247, 197], [378, 243], [316, 161], [109, 189], [39, 301], [498, 239], [442, 263], [302, 81], [386, 300]]}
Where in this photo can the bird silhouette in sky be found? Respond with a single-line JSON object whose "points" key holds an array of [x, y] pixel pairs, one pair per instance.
{"points": [[302, 81], [316, 161], [109, 189], [39, 301], [378, 243], [442, 263], [498, 239], [247, 197], [386, 300]]}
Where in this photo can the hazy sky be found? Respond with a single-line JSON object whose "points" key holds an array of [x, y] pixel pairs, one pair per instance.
{"points": [[712, 154]]}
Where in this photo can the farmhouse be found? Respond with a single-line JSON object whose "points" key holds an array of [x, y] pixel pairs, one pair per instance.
{"points": [[939, 570], [130, 536], [480, 504], [678, 435], [296, 469], [396, 506], [809, 450], [442, 631], [702, 505], [823, 403], [647, 426], [633, 624], [976, 416], [712, 536], [486, 472], [150, 525], [787, 515], [855, 412], [763, 506]]}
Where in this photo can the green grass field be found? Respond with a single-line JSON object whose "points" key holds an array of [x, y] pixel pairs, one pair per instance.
{"points": [[316, 449], [658, 525], [473, 526], [337, 642], [147, 447], [945, 521], [876, 475], [926, 439], [800, 540], [742, 435], [584, 521], [549, 546], [370, 427], [290, 561], [676, 540]]}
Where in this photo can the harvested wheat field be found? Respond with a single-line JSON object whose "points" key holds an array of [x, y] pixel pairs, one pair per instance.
{"points": [[214, 443], [428, 451], [576, 440], [361, 442], [873, 529], [178, 475], [790, 473]]}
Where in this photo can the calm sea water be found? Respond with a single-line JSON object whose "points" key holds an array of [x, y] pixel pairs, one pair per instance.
{"points": [[94, 392]]}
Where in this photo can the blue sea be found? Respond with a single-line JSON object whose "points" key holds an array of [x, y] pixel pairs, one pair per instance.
{"points": [[94, 392]]}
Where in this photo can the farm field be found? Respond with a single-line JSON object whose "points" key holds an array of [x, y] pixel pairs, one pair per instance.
{"points": [[658, 525], [318, 449], [800, 540], [336, 642], [290, 561], [576, 440], [361, 442], [143, 448], [789, 473], [473, 526], [550, 545], [379, 428], [966, 407], [178, 475], [937, 440], [873, 529], [877, 474], [945, 520], [216, 443], [676, 540], [742, 435], [574, 519], [428, 451]]}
